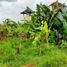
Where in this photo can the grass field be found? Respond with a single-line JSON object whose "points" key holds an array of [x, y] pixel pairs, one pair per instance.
{"points": [[29, 56]]}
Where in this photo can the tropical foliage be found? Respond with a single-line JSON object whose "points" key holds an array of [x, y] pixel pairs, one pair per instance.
{"points": [[40, 42]]}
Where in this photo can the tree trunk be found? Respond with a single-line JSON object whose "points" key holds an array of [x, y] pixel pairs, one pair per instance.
{"points": [[46, 38]]}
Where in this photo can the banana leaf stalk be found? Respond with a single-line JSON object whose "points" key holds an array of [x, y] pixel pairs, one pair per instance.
{"points": [[45, 30]]}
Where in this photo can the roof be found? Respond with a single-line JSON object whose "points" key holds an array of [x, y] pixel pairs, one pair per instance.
{"points": [[59, 4], [27, 11]]}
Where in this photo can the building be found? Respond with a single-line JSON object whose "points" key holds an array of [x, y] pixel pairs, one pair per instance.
{"points": [[57, 5], [27, 13]]}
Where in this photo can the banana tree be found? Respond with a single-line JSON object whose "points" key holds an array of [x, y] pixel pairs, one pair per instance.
{"points": [[10, 27], [19, 33], [43, 13], [43, 33]]}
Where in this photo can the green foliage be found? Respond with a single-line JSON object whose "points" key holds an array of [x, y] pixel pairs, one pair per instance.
{"points": [[63, 44], [29, 37], [50, 56], [65, 28]]}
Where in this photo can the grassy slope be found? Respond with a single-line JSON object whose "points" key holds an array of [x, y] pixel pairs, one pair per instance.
{"points": [[29, 56]]}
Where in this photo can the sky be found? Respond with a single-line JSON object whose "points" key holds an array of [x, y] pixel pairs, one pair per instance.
{"points": [[12, 8]]}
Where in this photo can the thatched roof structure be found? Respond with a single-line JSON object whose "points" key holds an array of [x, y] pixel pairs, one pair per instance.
{"points": [[27, 11]]}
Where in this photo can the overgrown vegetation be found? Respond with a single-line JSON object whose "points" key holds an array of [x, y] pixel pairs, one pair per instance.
{"points": [[40, 42]]}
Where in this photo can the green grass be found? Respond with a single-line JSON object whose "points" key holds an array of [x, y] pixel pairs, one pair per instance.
{"points": [[51, 56]]}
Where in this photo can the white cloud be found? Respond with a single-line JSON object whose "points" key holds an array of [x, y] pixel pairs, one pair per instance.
{"points": [[8, 0]]}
